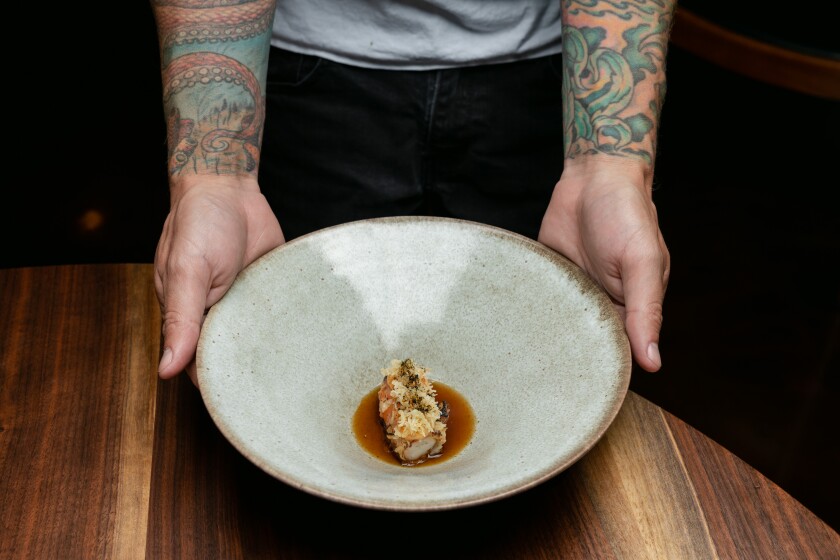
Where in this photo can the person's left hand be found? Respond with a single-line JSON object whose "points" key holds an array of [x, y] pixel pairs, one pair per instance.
{"points": [[602, 217]]}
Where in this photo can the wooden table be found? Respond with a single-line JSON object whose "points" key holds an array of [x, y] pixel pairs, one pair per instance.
{"points": [[100, 459]]}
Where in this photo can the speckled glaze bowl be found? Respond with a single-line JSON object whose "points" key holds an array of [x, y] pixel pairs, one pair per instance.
{"points": [[534, 345]]}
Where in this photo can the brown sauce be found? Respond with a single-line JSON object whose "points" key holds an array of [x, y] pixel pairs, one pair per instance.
{"points": [[371, 435]]}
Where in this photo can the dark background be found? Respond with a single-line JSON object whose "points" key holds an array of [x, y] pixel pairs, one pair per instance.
{"points": [[746, 186]]}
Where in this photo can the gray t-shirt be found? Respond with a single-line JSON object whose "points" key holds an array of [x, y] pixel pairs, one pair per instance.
{"points": [[419, 34]]}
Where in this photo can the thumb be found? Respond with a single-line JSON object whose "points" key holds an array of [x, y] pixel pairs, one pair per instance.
{"points": [[643, 295], [185, 295]]}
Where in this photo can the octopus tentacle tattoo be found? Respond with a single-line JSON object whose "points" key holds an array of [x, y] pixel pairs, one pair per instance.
{"points": [[183, 22], [205, 68], [614, 75], [214, 59]]}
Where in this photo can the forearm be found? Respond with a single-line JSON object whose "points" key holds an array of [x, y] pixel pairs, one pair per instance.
{"points": [[614, 79], [214, 57]]}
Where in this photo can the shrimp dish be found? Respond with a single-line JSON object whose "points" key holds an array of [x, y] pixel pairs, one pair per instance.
{"points": [[413, 419]]}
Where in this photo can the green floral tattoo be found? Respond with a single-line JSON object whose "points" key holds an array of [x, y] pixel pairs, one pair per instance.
{"points": [[614, 75]]}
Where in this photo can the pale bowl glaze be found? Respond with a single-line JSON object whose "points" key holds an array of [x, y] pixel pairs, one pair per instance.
{"points": [[533, 344]]}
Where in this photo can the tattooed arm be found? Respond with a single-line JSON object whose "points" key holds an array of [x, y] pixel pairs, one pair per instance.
{"points": [[214, 57], [601, 213]]}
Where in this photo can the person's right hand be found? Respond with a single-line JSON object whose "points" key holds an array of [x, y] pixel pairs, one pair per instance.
{"points": [[216, 227]]}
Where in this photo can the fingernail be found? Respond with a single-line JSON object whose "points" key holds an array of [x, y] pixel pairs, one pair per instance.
{"points": [[653, 354], [165, 359]]}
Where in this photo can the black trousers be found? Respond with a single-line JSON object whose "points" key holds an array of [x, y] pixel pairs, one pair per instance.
{"points": [[342, 143]]}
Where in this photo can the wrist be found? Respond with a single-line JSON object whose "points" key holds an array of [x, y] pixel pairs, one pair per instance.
{"points": [[599, 168], [182, 184]]}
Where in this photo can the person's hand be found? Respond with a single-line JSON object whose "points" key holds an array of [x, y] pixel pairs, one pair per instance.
{"points": [[601, 216], [216, 226]]}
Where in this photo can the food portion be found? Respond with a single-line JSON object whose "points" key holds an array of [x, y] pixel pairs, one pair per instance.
{"points": [[414, 420]]}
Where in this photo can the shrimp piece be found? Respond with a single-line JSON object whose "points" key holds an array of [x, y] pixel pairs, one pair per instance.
{"points": [[414, 421]]}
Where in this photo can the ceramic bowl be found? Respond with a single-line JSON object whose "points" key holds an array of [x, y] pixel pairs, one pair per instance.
{"points": [[535, 347]]}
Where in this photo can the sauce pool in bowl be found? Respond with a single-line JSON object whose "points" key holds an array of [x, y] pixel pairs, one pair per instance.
{"points": [[370, 435]]}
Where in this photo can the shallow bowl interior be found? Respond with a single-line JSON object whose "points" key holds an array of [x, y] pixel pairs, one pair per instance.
{"points": [[531, 342]]}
